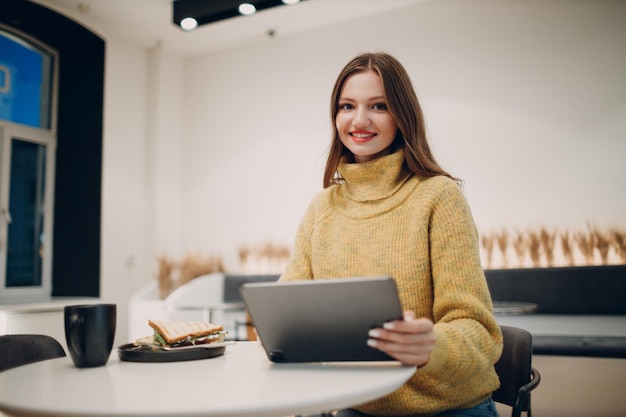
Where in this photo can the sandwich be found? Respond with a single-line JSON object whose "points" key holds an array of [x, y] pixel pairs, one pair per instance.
{"points": [[172, 334]]}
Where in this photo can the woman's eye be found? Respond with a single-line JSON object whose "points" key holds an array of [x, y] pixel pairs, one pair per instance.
{"points": [[346, 106], [380, 106]]}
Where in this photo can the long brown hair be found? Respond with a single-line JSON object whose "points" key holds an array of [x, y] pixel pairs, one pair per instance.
{"points": [[404, 108]]}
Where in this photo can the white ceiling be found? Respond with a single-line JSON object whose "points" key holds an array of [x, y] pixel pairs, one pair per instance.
{"points": [[149, 22]]}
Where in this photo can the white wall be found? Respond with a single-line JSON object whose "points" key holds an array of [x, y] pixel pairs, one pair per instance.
{"points": [[125, 256], [142, 193], [524, 100]]}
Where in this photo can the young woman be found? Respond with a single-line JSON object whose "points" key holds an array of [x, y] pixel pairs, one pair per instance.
{"points": [[388, 208]]}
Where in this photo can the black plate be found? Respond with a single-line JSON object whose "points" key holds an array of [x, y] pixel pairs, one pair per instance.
{"points": [[131, 353]]}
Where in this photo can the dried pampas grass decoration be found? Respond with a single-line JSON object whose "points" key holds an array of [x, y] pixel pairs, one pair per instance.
{"points": [[618, 243], [594, 246], [244, 255], [586, 246], [520, 245], [534, 248], [487, 242], [269, 258], [602, 243], [165, 266], [172, 274], [547, 243], [194, 265], [503, 242], [566, 248]]}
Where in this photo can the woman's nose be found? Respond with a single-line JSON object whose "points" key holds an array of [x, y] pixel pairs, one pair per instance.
{"points": [[361, 118]]}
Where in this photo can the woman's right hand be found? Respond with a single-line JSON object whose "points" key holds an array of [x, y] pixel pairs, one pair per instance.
{"points": [[410, 340]]}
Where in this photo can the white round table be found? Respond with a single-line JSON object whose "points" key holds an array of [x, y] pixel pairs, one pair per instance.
{"points": [[242, 382]]}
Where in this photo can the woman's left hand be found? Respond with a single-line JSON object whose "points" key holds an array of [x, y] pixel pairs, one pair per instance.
{"points": [[410, 341]]}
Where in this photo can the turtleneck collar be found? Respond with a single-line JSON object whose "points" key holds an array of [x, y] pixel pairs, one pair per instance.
{"points": [[373, 180]]}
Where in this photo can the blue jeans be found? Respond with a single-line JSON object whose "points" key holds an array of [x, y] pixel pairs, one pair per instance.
{"points": [[485, 409]]}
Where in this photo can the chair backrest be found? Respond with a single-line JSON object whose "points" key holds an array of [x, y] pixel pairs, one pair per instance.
{"points": [[513, 367], [205, 290], [22, 349]]}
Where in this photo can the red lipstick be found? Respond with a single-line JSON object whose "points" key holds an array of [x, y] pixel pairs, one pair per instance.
{"points": [[362, 136]]}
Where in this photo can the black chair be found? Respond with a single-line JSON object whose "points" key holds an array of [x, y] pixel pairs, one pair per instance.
{"points": [[517, 376], [514, 368], [22, 349]]}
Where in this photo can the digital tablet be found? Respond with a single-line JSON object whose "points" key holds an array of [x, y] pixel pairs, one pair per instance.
{"points": [[324, 320]]}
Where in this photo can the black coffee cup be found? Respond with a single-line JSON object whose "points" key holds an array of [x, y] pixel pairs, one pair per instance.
{"points": [[89, 333]]}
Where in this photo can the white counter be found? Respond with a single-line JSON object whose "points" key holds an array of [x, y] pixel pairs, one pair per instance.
{"points": [[567, 325]]}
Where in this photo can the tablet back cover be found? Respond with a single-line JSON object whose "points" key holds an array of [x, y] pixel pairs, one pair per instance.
{"points": [[324, 320]]}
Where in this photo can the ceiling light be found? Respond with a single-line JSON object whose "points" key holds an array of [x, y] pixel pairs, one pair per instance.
{"points": [[246, 9], [189, 23], [209, 11]]}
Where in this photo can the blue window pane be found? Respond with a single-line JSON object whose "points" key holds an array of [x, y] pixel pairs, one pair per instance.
{"points": [[25, 240], [25, 80]]}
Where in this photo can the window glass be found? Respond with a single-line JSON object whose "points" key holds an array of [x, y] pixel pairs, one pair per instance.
{"points": [[25, 237], [25, 82]]}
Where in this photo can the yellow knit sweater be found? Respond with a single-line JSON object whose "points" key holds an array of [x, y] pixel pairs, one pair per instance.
{"points": [[385, 221]]}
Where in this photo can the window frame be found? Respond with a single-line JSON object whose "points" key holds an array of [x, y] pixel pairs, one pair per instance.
{"points": [[47, 137]]}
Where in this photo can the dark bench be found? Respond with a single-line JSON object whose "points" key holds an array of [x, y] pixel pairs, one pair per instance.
{"points": [[565, 290], [233, 282], [593, 290]]}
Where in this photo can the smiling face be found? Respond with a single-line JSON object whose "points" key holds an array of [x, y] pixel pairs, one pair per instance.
{"points": [[363, 121]]}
